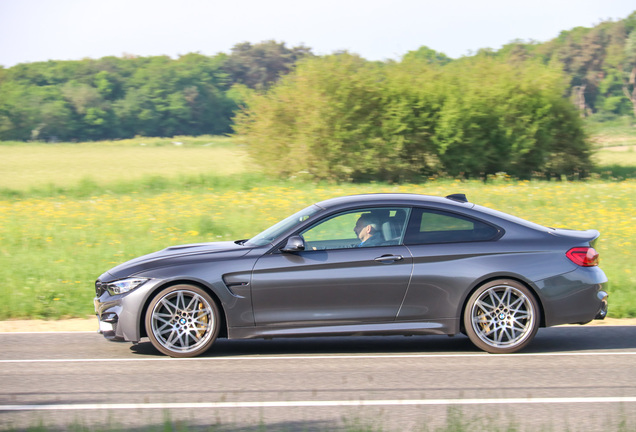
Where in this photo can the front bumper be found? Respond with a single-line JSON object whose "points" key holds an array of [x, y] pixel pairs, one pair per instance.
{"points": [[119, 316], [108, 319]]}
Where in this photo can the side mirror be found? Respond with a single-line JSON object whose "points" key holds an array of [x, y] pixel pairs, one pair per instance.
{"points": [[294, 244]]}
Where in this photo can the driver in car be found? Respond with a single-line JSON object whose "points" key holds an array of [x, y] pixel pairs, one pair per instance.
{"points": [[368, 230]]}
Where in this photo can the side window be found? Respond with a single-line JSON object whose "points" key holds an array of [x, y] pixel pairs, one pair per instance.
{"points": [[358, 228], [435, 222], [432, 226]]}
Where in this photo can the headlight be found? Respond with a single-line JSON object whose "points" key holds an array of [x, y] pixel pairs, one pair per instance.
{"points": [[124, 285]]}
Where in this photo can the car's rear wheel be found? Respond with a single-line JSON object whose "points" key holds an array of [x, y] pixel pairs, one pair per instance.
{"points": [[502, 316], [182, 321]]}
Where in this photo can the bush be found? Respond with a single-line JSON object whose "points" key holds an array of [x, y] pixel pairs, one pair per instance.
{"points": [[342, 118]]}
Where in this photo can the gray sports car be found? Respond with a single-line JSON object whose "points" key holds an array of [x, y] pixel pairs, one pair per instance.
{"points": [[378, 264]]}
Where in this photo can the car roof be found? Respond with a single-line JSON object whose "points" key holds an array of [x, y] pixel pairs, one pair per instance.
{"points": [[449, 202], [395, 199]]}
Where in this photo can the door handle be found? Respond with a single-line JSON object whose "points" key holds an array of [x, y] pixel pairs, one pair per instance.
{"points": [[384, 258]]}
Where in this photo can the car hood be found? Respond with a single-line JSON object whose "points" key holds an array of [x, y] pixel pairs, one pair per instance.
{"points": [[175, 255]]}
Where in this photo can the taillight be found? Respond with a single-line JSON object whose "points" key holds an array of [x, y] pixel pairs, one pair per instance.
{"points": [[583, 256]]}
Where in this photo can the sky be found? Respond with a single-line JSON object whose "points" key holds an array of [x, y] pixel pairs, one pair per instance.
{"points": [[41, 30]]}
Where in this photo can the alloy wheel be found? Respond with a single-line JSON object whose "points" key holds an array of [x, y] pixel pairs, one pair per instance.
{"points": [[502, 317], [182, 322]]}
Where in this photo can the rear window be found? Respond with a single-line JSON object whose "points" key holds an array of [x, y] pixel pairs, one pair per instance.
{"points": [[428, 226]]}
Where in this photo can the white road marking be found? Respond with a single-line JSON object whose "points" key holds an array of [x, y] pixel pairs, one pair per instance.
{"points": [[332, 403], [319, 357]]}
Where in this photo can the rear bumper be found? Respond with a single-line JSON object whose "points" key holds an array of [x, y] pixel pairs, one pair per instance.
{"points": [[575, 297], [602, 313]]}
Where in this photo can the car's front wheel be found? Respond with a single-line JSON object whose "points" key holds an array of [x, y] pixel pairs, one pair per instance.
{"points": [[501, 316], [182, 321]]}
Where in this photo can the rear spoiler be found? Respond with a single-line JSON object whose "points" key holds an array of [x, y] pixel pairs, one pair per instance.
{"points": [[588, 235]]}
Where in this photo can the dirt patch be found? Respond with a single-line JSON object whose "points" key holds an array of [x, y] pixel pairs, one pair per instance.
{"points": [[90, 324]]}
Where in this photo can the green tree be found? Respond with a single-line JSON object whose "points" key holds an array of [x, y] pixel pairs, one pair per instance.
{"points": [[33, 113], [260, 65], [505, 117], [427, 55], [629, 80], [593, 58], [342, 118], [115, 98], [318, 121]]}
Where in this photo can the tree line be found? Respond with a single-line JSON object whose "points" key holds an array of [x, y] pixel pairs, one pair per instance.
{"points": [[600, 63], [114, 97], [517, 109]]}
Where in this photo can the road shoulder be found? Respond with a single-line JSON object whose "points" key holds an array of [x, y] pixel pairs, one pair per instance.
{"points": [[65, 325]]}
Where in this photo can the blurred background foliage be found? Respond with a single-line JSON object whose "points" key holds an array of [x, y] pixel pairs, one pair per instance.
{"points": [[115, 98], [342, 118], [519, 109]]}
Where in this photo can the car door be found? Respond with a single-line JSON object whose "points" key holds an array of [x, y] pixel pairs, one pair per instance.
{"points": [[449, 252], [335, 280]]}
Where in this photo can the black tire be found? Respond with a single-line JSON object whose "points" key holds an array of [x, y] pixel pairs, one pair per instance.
{"points": [[182, 321], [502, 316]]}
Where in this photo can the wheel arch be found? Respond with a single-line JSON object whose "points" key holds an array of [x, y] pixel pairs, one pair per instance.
{"points": [[159, 288], [489, 279]]}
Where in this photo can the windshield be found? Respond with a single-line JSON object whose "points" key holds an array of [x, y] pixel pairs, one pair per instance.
{"points": [[273, 232]]}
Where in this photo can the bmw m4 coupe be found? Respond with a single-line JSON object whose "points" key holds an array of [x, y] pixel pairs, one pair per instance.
{"points": [[377, 264]]}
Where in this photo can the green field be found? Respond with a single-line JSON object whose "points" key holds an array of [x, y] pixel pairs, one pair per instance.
{"points": [[617, 133], [66, 219], [41, 167]]}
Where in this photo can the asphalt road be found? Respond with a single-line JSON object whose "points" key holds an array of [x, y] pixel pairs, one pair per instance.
{"points": [[575, 378]]}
